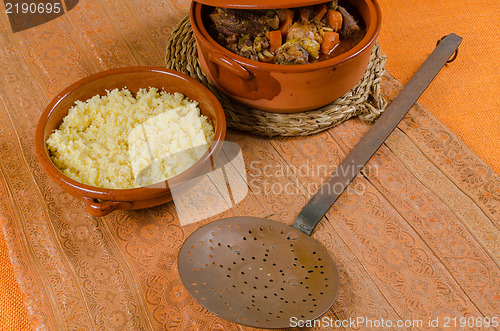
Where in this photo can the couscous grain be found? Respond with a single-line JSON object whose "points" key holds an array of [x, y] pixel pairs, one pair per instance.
{"points": [[98, 143]]}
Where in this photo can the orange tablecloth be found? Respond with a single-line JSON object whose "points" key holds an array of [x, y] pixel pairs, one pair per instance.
{"points": [[464, 98]]}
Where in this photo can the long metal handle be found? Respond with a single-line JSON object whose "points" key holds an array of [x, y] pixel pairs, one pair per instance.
{"points": [[340, 179]]}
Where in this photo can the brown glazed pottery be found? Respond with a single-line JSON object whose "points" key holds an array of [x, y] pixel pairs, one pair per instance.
{"points": [[283, 88], [99, 201]]}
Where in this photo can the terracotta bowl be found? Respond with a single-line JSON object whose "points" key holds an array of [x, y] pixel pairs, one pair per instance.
{"points": [[285, 88], [101, 201]]}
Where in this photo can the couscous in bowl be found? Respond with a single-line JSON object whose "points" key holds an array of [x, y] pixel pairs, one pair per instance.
{"points": [[101, 201]]}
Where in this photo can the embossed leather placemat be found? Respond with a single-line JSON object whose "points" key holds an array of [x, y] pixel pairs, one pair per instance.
{"points": [[420, 242]]}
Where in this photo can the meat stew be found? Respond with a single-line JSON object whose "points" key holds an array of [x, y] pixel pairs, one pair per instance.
{"points": [[287, 36]]}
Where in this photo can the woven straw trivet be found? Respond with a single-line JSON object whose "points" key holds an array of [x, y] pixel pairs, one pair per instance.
{"points": [[364, 100]]}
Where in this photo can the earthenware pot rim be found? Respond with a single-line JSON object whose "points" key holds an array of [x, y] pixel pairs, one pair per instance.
{"points": [[260, 4]]}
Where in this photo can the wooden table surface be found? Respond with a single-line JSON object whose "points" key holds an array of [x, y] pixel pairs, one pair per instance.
{"points": [[425, 240]]}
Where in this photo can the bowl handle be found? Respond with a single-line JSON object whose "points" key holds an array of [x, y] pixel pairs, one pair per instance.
{"points": [[231, 65], [103, 208]]}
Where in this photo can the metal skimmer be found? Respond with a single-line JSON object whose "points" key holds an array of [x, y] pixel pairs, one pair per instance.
{"points": [[261, 273]]}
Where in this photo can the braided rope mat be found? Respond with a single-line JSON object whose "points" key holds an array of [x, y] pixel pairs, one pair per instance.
{"points": [[364, 100]]}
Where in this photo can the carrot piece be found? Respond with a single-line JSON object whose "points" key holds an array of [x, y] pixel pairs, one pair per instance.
{"points": [[322, 9], [330, 41], [334, 19], [304, 14], [274, 39], [286, 23]]}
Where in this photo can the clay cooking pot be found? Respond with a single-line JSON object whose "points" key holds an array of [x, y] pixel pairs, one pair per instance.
{"points": [[283, 88]]}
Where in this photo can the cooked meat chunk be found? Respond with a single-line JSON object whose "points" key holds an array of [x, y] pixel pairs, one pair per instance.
{"points": [[260, 43], [303, 30], [297, 51], [311, 46], [230, 21], [291, 53], [244, 46], [349, 26]]}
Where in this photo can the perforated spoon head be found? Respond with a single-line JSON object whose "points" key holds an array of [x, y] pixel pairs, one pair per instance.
{"points": [[258, 272]]}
